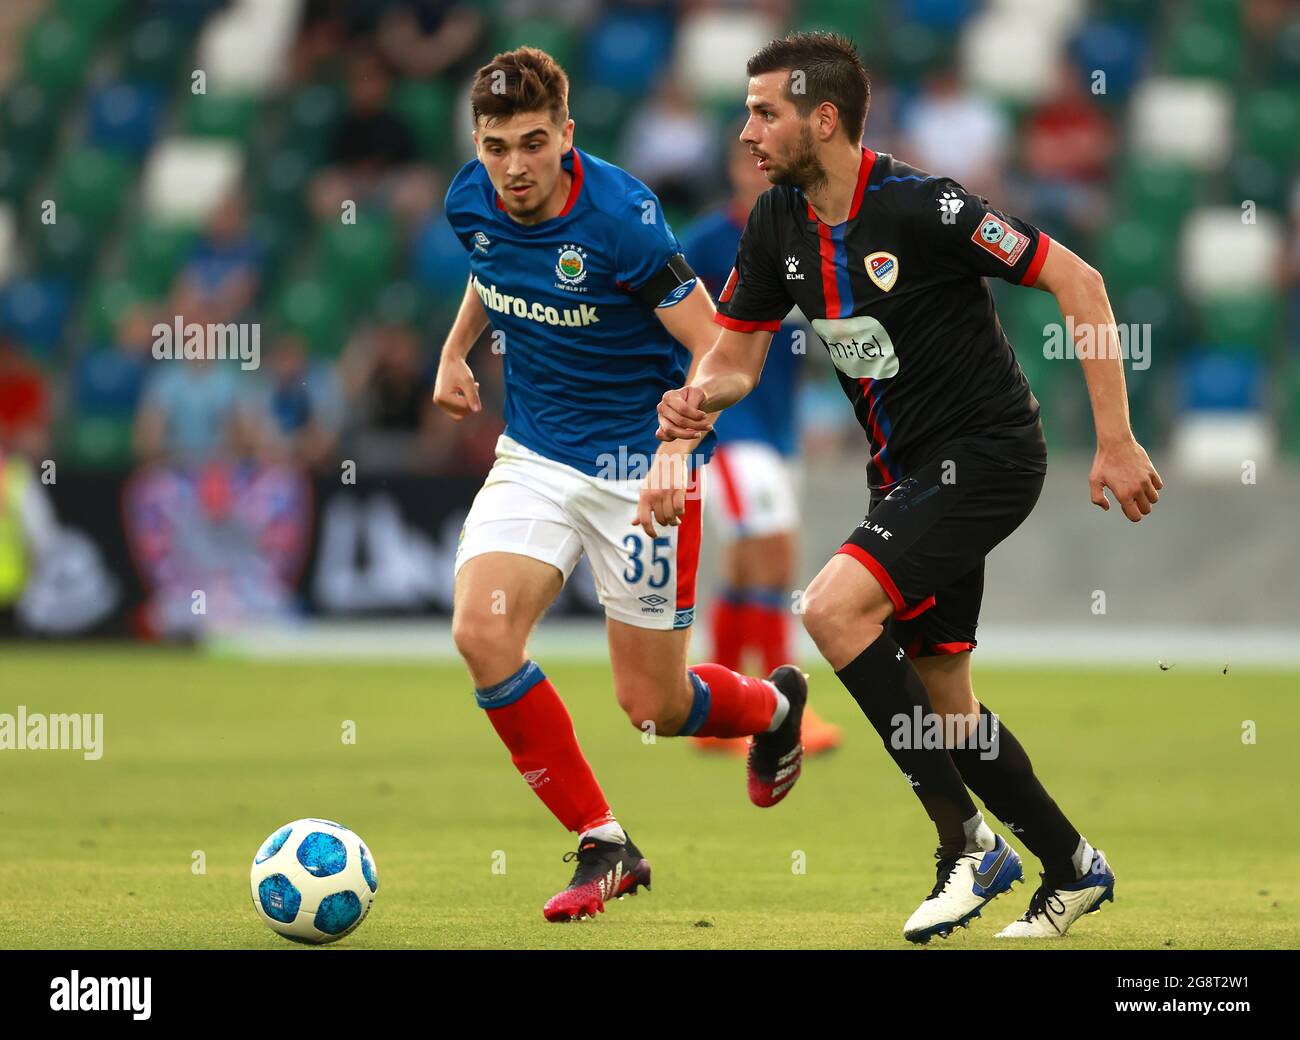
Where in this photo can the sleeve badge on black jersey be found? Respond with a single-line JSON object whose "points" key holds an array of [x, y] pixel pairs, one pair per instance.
{"points": [[1001, 240], [882, 268]]}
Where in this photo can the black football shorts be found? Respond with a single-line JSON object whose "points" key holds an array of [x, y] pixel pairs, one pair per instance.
{"points": [[926, 540]]}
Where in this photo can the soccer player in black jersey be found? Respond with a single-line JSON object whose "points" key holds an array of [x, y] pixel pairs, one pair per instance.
{"points": [[889, 263]]}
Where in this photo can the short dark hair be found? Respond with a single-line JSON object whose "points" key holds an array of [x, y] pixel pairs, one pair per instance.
{"points": [[832, 71], [523, 80]]}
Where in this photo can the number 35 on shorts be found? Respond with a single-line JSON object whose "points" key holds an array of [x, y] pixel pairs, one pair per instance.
{"points": [[659, 582]]}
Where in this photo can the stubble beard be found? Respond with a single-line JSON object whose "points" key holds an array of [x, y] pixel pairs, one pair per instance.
{"points": [[804, 171]]}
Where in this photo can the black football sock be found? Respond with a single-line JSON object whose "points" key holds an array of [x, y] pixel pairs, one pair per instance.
{"points": [[1001, 774], [886, 686]]}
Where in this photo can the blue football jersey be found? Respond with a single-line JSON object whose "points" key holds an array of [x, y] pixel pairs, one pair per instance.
{"points": [[586, 359], [768, 413]]}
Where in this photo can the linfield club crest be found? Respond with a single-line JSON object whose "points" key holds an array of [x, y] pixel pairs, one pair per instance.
{"points": [[571, 267], [882, 268]]}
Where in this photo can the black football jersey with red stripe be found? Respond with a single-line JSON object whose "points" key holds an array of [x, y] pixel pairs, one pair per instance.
{"points": [[897, 295]]}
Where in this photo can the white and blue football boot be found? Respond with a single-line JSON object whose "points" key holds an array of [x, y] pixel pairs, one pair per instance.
{"points": [[1057, 905], [964, 883]]}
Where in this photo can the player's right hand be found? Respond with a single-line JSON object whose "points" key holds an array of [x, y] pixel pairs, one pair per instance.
{"points": [[454, 390], [681, 415]]}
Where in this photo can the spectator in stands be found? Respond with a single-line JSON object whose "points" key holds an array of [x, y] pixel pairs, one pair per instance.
{"points": [[421, 38], [373, 159], [389, 383], [959, 132], [301, 406], [671, 146], [425, 38], [194, 411], [221, 278], [24, 404], [1067, 150]]}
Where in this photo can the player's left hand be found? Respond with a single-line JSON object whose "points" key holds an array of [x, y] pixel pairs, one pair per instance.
{"points": [[1125, 469], [663, 494]]}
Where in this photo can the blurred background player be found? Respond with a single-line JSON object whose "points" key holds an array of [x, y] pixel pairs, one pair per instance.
{"points": [[754, 492]]}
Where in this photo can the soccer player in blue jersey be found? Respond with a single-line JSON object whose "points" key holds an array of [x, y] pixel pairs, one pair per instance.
{"points": [[598, 315], [754, 474]]}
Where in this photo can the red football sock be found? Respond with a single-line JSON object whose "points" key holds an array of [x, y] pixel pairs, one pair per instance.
{"points": [[738, 705], [769, 629], [727, 623], [544, 748]]}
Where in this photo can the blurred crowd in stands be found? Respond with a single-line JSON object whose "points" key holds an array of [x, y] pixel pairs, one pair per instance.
{"points": [[301, 190]]}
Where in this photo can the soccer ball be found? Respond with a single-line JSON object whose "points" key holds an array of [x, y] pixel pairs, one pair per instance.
{"points": [[313, 881]]}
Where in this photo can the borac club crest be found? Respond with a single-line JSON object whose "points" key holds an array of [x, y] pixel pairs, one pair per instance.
{"points": [[882, 268]]}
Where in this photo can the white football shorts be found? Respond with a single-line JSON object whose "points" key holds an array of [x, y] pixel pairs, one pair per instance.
{"points": [[533, 506], [754, 491]]}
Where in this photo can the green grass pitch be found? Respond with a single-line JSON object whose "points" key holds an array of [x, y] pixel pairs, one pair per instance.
{"points": [[211, 755]]}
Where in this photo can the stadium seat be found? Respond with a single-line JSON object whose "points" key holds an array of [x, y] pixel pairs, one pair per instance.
{"points": [[852, 17], [426, 107], [242, 48], [1270, 124], [600, 115], [1242, 322], [910, 50], [29, 119], [35, 311], [358, 258], [558, 38], [92, 183], [18, 172], [1222, 256], [186, 178], [1222, 16], [310, 119], [1263, 181], [627, 50], [1197, 48], [96, 15], [1187, 120], [1133, 252], [1162, 192], [1280, 64], [56, 52], [1222, 380], [105, 305], [154, 254], [1117, 48], [155, 51], [713, 46], [1029, 45], [282, 185], [1291, 409], [67, 248], [100, 441], [1214, 445], [1060, 17], [107, 382], [232, 116], [936, 14], [8, 242], [123, 117], [312, 307]]}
